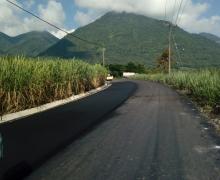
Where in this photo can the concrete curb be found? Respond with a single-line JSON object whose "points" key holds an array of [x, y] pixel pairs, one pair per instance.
{"points": [[28, 112]]}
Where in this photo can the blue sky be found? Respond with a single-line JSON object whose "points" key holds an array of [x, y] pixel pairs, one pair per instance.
{"points": [[68, 5], [214, 6], [198, 16]]}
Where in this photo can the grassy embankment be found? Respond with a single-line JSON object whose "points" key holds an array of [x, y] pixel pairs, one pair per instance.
{"points": [[203, 86], [27, 82]]}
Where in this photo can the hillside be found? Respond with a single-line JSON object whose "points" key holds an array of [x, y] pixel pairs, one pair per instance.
{"points": [[5, 42], [211, 37], [129, 37], [29, 44]]}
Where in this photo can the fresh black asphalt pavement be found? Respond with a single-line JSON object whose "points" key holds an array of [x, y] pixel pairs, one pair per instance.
{"points": [[143, 131]]}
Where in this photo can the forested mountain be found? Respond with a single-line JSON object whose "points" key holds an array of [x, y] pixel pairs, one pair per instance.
{"points": [[130, 37], [211, 37], [29, 44]]}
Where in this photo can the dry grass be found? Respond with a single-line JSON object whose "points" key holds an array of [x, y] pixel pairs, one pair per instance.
{"points": [[27, 82], [202, 85]]}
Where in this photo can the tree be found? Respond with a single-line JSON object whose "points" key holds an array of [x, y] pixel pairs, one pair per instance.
{"points": [[131, 67], [163, 61], [137, 68], [118, 69]]}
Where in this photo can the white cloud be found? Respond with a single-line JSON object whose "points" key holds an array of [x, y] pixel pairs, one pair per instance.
{"points": [[53, 12], [13, 21], [193, 21], [9, 17], [192, 18], [84, 18], [61, 34], [153, 8]]}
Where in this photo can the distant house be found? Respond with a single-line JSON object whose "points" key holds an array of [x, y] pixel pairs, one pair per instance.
{"points": [[128, 74]]}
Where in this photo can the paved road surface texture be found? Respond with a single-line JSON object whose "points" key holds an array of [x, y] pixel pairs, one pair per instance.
{"points": [[30, 141], [154, 135]]}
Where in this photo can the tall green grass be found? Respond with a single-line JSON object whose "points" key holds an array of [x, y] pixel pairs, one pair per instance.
{"points": [[203, 85], [28, 82]]}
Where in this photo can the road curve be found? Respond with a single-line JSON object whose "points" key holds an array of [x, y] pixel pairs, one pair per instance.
{"points": [[155, 134], [30, 141]]}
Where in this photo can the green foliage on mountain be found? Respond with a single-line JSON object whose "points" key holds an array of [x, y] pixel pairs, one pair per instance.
{"points": [[28, 44], [5, 42], [126, 37], [135, 38], [211, 37], [129, 37], [197, 51]]}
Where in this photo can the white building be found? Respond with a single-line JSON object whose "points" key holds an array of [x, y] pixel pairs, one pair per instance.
{"points": [[128, 74]]}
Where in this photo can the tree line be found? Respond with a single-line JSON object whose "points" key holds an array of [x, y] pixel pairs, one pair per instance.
{"points": [[161, 65]]}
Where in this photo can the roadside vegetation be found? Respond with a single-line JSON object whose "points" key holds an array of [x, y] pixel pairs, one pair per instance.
{"points": [[29, 82], [201, 85], [117, 69]]}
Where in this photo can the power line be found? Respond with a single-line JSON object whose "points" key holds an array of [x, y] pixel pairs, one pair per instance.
{"points": [[84, 40], [177, 16], [165, 15], [174, 7], [178, 13], [171, 31], [177, 49], [52, 25], [183, 9]]}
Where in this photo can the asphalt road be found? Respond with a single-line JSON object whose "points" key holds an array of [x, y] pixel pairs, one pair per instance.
{"points": [[155, 134], [30, 141]]}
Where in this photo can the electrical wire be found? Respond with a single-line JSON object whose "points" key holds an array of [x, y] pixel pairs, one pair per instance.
{"points": [[173, 16], [183, 9], [85, 40], [52, 25], [172, 28], [178, 13], [173, 31], [178, 51], [165, 13]]}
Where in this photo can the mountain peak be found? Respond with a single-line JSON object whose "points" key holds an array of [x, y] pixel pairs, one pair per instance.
{"points": [[3, 35], [30, 43], [129, 37], [126, 37]]}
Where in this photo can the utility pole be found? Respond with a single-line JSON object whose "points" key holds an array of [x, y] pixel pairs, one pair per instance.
{"points": [[170, 33], [103, 56]]}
